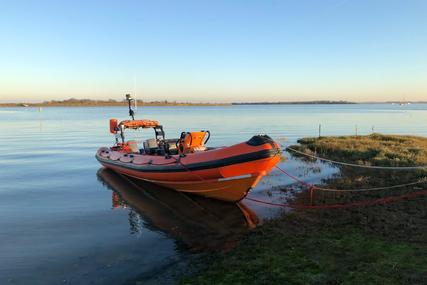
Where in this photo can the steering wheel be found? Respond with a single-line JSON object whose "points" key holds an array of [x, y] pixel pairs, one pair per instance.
{"points": [[179, 142]]}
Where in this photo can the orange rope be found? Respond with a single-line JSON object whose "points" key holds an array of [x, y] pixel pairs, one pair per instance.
{"points": [[364, 203], [423, 180]]}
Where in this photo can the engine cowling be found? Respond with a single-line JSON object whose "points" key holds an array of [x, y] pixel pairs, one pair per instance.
{"points": [[113, 126]]}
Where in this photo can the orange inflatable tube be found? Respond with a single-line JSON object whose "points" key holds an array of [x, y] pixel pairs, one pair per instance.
{"points": [[226, 173]]}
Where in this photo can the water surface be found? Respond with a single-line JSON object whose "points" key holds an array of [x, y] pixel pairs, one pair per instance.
{"points": [[62, 223]]}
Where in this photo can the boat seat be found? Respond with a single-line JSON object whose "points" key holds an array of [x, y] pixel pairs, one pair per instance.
{"points": [[193, 142], [150, 146]]}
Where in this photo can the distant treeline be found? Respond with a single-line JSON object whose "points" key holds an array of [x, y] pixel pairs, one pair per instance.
{"points": [[72, 102], [295, 102]]}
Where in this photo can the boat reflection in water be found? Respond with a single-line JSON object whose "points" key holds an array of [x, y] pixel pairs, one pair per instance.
{"points": [[199, 223]]}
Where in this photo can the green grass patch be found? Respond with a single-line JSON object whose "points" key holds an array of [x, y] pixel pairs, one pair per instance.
{"points": [[375, 149], [291, 252], [383, 244]]}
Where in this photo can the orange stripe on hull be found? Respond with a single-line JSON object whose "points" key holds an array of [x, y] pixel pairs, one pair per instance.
{"points": [[229, 190], [232, 190]]}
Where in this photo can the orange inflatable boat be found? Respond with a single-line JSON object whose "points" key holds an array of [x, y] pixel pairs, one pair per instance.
{"points": [[186, 164]]}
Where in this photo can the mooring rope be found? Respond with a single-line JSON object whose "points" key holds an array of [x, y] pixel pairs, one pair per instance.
{"points": [[381, 201], [358, 165], [312, 186]]}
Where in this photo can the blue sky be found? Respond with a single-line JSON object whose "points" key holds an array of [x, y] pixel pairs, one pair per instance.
{"points": [[214, 50]]}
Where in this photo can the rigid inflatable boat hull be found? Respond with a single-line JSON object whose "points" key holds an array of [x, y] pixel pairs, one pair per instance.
{"points": [[227, 173]]}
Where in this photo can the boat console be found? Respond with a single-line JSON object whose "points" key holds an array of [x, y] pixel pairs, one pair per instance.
{"points": [[160, 147]]}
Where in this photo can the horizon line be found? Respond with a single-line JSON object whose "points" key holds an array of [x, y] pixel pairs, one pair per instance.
{"points": [[165, 101]]}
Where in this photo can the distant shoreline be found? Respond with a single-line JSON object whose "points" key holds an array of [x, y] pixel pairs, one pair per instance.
{"points": [[296, 103], [114, 103], [102, 103]]}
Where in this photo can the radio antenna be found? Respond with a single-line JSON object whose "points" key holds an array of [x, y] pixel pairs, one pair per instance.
{"points": [[131, 111]]}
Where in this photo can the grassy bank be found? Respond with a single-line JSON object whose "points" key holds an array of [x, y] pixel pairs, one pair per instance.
{"points": [[382, 244]]}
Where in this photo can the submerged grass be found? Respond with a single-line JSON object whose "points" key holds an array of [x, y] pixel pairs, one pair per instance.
{"points": [[383, 244]]}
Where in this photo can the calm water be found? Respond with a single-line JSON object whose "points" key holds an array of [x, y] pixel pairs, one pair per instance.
{"points": [[65, 221]]}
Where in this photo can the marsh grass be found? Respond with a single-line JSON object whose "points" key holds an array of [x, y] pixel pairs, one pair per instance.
{"points": [[375, 149], [382, 244]]}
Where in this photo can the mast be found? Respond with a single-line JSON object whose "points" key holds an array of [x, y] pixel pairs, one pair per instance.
{"points": [[130, 100]]}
